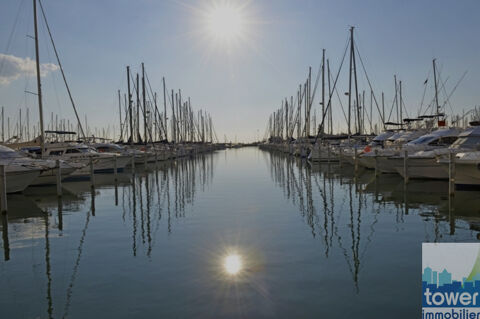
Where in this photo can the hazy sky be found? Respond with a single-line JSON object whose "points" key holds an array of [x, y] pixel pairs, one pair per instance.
{"points": [[240, 82]]}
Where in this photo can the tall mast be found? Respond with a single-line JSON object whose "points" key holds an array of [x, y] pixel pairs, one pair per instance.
{"points": [[180, 116], [3, 125], [383, 109], [137, 123], [165, 110], [144, 106], [330, 93], [120, 114], [350, 85], [356, 83], [323, 89], [436, 88], [299, 118], [396, 98], [401, 116], [174, 131], [39, 84], [286, 119], [130, 111]]}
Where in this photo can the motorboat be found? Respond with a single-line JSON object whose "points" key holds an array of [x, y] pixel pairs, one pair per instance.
{"points": [[20, 171], [423, 152], [393, 147], [79, 156]]}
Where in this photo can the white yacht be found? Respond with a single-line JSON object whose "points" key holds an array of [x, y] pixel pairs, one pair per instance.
{"points": [[377, 143], [467, 168], [20, 171], [467, 158], [393, 147], [322, 152], [141, 154], [78, 155], [423, 152]]}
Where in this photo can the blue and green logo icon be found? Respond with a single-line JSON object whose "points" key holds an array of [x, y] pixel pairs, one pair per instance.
{"points": [[450, 280]]}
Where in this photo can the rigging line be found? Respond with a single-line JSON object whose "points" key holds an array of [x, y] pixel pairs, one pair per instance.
{"points": [[156, 108], [424, 92], [369, 84], [365, 112], [10, 37], [433, 98], [54, 84], [61, 68], [340, 100], [311, 98], [143, 112], [75, 268], [295, 106], [405, 107], [330, 95], [393, 104], [453, 90], [315, 87], [444, 91]]}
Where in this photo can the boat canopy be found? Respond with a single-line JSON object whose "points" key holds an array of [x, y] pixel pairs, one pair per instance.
{"points": [[470, 138], [436, 135], [7, 152], [383, 136]]}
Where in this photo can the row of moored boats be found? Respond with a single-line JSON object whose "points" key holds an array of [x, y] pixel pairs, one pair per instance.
{"points": [[29, 166], [418, 153]]}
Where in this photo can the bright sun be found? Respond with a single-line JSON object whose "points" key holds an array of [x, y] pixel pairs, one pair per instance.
{"points": [[225, 22], [233, 264]]}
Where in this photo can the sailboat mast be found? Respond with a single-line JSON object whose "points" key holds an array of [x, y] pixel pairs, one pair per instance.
{"points": [[130, 111], [359, 129], [137, 123], [174, 131], [120, 114], [401, 102], [165, 110], [436, 88], [330, 93], [145, 139], [350, 85], [39, 84], [323, 89], [3, 125]]}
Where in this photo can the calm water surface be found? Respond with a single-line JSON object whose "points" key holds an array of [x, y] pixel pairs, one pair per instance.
{"points": [[235, 234]]}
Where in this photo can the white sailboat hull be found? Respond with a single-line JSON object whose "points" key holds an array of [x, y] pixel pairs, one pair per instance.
{"points": [[102, 165], [18, 180], [423, 168], [466, 173], [49, 177]]}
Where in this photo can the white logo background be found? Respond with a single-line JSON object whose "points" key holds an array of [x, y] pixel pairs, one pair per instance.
{"points": [[458, 259]]}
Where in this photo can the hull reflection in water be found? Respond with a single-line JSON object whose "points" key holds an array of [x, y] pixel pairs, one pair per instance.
{"points": [[237, 233]]}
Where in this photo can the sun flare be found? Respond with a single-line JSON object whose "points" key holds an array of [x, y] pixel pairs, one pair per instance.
{"points": [[233, 264], [225, 22]]}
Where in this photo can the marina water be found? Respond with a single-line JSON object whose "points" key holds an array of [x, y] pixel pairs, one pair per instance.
{"points": [[236, 233]]}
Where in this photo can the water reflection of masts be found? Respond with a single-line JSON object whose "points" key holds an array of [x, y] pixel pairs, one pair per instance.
{"points": [[296, 183], [148, 198], [327, 212], [355, 236], [133, 209], [179, 179], [48, 268], [140, 196], [75, 267], [6, 244]]}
